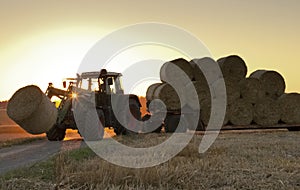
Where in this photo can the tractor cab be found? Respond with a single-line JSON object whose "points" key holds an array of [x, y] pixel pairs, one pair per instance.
{"points": [[103, 82]]}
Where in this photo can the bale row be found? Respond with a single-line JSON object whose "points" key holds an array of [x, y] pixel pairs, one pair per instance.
{"points": [[259, 98]]}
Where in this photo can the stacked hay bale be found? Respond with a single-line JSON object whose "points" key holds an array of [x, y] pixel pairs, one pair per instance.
{"points": [[240, 112], [251, 90], [233, 68], [258, 99], [204, 68], [150, 91], [30, 108], [178, 71], [266, 107], [234, 71], [290, 108], [174, 75], [166, 93], [272, 83], [266, 112]]}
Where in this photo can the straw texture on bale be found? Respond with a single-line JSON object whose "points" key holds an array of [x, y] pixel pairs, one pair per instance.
{"points": [[205, 113], [290, 108], [233, 67], [232, 89], [175, 70], [167, 94], [30, 108], [271, 81], [251, 89], [266, 112], [240, 112], [203, 94], [208, 66], [150, 91]]}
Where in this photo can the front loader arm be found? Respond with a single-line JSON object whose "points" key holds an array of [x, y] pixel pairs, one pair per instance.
{"points": [[51, 91]]}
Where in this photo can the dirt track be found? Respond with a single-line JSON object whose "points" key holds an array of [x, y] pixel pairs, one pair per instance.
{"points": [[22, 155]]}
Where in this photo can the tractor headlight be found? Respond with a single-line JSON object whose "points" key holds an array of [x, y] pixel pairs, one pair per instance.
{"points": [[74, 95]]}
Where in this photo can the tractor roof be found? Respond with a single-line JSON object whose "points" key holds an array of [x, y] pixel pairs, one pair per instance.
{"points": [[95, 74]]}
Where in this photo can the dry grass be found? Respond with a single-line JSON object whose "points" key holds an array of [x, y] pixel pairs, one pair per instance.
{"points": [[235, 161]]}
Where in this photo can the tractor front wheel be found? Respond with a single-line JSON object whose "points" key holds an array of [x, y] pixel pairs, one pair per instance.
{"points": [[56, 133]]}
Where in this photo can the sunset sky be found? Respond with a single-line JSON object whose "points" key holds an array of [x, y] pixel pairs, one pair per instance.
{"points": [[44, 41]]}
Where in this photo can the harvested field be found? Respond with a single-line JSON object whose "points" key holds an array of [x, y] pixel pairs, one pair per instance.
{"points": [[235, 161]]}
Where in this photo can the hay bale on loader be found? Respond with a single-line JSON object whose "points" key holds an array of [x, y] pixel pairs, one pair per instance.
{"points": [[266, 112], [272, 82], [174, 71], [240, 112], [251, 89], [30, 108], [233, 67], [290, 108]]}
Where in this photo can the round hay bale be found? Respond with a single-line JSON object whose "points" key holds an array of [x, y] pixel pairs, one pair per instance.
{"points": [[266, 112], [150, 91], [208, 65], [205, 113], [205, 110], [203, 94], [271, 81], [30, 108], [167, 94], [232, 89], [240, 112], [174, 70], [251, 89], [290, 108], [233, 67]]}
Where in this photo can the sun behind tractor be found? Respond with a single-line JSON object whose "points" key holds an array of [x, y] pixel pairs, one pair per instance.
{"points": [[107, 86]]}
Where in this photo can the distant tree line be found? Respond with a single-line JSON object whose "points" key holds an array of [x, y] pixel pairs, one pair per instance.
{"points": [[3, 104]]}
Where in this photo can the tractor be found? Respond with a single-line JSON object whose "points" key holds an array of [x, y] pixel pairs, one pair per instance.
{"points": [[105, 86]]}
